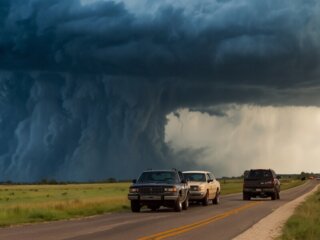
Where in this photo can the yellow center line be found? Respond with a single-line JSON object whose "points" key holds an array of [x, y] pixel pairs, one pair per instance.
{"points": [[189, 227]]}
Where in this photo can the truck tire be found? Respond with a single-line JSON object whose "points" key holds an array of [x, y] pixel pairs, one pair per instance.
{"points": [[205, 200], [246, 197], [135, 206], [178, 205], [185, 204], [216, 200]]}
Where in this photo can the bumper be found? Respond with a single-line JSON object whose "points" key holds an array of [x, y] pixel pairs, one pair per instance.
{"points": [[259, 191], [153, 197], [196, 195]]}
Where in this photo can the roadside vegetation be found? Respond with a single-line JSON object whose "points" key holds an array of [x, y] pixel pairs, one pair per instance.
{"points": [[229, 186], [305, 222], [38, 203], [287, 183]]}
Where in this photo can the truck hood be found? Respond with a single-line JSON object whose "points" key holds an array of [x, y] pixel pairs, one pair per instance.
{"points": [[196, 183], [153, 184]]}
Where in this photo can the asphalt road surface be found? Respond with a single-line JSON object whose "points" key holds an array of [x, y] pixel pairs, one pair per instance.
{"points": [[224, 221]]}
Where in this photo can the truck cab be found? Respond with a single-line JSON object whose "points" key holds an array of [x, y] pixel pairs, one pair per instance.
{"points": [[156, 188]]}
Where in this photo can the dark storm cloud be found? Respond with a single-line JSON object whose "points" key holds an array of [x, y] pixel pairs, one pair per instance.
{"points": [[238, 41], [85, 89]]}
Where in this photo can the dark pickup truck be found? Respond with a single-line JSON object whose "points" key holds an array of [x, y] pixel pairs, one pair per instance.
{"points": [[261, 183], [156, 188]]}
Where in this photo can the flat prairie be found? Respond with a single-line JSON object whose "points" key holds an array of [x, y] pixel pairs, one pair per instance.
{"points": [[37, 203]]}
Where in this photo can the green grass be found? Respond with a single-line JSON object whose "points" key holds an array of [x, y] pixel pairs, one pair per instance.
{"points": [[38, 203], [290, 183], [231, 186], [305, 222]]}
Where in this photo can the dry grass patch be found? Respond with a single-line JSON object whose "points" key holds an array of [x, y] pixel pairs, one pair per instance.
{"points": [[305, 222]]}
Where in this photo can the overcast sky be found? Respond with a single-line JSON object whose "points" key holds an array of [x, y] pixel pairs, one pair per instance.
{"points": [[283, 138], [97, 89]]}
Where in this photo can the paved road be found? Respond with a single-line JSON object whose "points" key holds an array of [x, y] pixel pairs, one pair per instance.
{"points": [[224, 221]]}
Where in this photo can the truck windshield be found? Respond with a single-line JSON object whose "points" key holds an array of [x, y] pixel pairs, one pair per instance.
{"points": [[259, 174], [196, 177], [158, 177]]}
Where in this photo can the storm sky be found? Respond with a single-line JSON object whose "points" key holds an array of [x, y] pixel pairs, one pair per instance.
{"points": [[97, 89]]}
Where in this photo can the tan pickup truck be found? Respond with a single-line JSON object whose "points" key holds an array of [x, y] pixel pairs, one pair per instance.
{"points": [[203, 187]]}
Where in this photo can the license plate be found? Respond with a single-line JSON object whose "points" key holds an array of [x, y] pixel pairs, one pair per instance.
{"points": [[258, 189], [150, 197]]}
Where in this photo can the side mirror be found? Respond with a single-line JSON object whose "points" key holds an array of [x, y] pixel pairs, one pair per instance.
{"points": [[210, 180], [183, 181], [134, 181]]}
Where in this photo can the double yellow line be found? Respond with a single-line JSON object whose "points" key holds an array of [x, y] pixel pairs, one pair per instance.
{"points": [[186, 228]]}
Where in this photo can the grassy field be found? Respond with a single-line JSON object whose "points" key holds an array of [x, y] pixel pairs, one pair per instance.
{"points": [[305, 223], [231, 186], [37, 203], [290, 183]]}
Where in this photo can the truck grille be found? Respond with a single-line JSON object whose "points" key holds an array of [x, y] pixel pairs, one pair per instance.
{"points": [[194, 188], [151, 190]]}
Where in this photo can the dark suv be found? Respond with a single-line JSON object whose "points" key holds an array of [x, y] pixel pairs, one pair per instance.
{"points": [[261, 183], [156, 188]]}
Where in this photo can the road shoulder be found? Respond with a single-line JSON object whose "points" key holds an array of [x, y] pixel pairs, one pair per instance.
{"points": [[271, 226]]}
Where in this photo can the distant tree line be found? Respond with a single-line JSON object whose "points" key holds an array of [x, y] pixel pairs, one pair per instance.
{"points": [[51, 181], [306, 175]]}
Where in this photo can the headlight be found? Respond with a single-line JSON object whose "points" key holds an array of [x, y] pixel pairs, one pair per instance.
{"points": [[170, 189], [134, 190], [197, 188]]}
